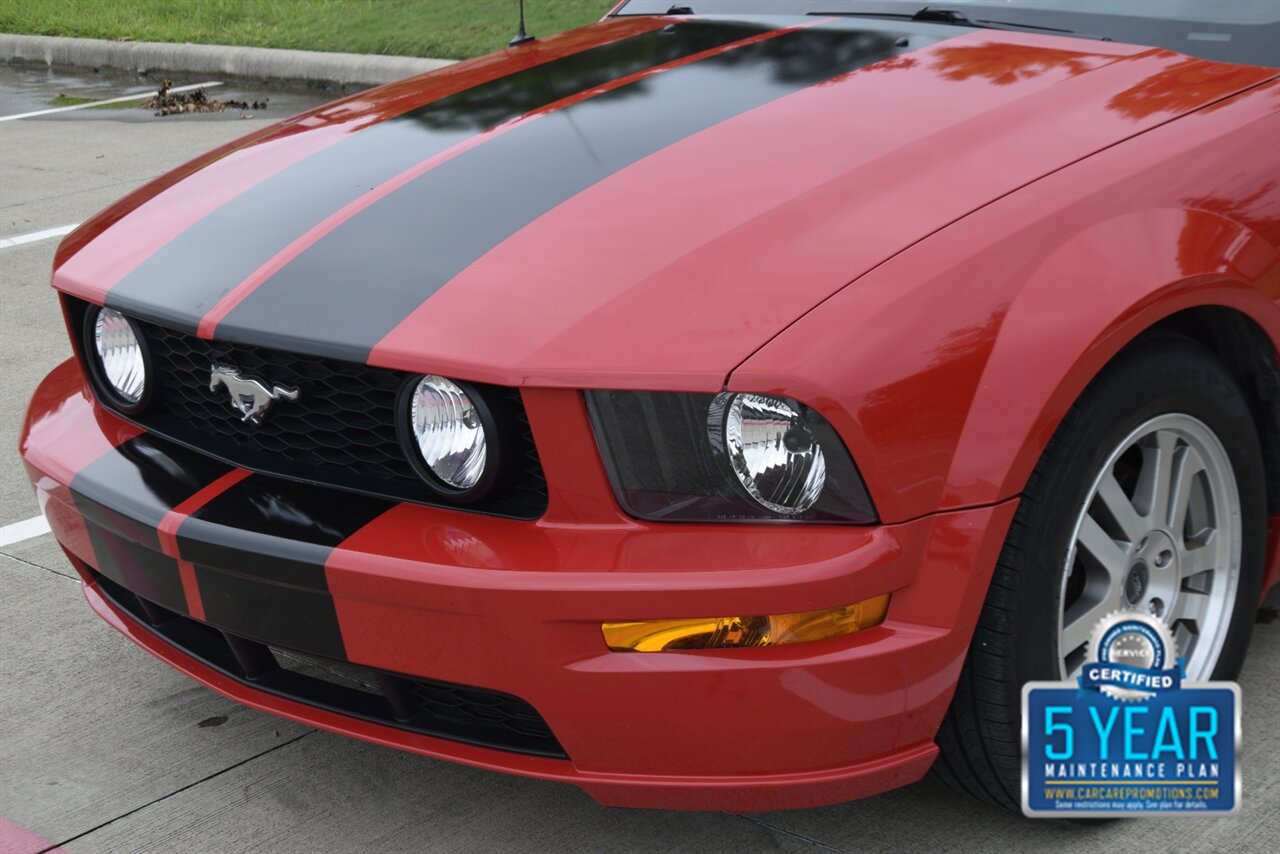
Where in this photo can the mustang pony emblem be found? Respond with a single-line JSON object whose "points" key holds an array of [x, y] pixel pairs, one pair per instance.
{"points": [[251, 398]]}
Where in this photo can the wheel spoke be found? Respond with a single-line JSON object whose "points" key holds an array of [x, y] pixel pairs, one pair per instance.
{"points": [[1076, 635], [1187, 466], [1200, 559], [1079, 623], [1109, 554], [1121, 508], [1156, 481], [1191, 606]]}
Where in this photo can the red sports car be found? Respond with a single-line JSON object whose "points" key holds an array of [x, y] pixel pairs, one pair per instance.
{"points": [[723, 406]]}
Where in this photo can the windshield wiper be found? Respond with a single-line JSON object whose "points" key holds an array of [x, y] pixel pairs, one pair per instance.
{"points": [[930, 15]]}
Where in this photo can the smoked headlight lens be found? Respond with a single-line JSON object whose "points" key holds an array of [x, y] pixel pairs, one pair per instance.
{"points": [[448, 432], [121, 359], [726, 458]]}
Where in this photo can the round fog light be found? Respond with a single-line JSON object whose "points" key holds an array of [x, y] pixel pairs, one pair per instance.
{"points": [[772, 450], [448, 432], [122, 361]]}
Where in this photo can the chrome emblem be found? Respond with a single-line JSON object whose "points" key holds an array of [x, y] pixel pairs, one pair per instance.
{"points": [[251, 398]]}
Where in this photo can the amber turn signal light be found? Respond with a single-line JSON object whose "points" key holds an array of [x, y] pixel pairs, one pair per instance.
{"points": [[738, 632]]}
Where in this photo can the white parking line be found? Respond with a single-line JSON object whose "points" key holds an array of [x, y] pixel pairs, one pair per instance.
{"points": [[25, 530], [6, 242], [122, 99]]}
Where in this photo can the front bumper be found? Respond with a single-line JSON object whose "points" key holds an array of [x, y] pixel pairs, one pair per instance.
{"points": [[516, 607]]}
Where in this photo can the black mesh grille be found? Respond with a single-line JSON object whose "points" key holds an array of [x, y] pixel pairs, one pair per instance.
{"points": [[441, 709], [433, 706], [469, 707], [340, 432]]}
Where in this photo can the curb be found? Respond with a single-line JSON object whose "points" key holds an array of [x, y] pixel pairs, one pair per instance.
{"points": [[312, 67]]}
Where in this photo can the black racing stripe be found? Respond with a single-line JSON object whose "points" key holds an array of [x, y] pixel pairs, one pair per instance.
{"points": [[304, 620], [131, 488], [405, 247], [281, 531], [182, 281], [123, 495], [259, 551], [145, 571]]}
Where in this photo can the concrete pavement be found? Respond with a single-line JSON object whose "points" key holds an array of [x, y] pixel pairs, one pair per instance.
{"points": [[104, 749]]}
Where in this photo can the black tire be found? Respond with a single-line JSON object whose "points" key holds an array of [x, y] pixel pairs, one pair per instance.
{"points": [[1016, 637]]}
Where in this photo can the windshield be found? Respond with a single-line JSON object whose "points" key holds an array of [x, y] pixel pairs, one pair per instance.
{"points": [[1242, 31]]}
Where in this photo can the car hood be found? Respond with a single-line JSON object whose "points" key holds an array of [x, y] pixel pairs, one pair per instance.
{"points": [[641, 203]]}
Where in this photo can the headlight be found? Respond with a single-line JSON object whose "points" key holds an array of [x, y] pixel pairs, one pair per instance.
{"points": [[725, 458], [119, 358], [447, 432], [772, 450]]}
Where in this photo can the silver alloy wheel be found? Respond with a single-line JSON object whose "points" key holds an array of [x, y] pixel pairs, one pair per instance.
{"points": [[1159, 532]]}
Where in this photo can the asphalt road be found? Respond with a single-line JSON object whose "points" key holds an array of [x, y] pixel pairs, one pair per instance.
{"points": [[102, 748]]}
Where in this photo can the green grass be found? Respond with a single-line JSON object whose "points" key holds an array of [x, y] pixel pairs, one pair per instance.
{"points": [[446, 29], [64, 100]]}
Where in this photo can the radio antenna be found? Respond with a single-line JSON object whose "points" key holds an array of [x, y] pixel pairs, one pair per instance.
{"points": [[521, 35]]}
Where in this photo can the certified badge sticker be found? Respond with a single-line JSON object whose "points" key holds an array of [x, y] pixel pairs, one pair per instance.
{"points": [[1129, 736], [1130, 657]]}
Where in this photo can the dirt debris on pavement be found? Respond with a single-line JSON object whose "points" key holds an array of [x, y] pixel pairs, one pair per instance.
{"points": [[165, 103]]}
